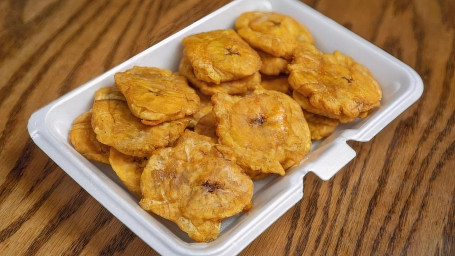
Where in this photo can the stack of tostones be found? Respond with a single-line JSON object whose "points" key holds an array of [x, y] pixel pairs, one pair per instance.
{"points": [[274, 36], [245, 123], [131, 141], [266, 129], [116, 126], [332, 85], [220, 61], [193, 185]]}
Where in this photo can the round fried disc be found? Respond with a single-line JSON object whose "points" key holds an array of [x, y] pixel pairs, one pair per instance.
{"points": [[333, 85], [193, 183], [272, 32], [157, 95], [238, 86], [266, 130], [306, 105], [271, 65], [128, 169], [114, 125], [84, 139], [220, 56]]}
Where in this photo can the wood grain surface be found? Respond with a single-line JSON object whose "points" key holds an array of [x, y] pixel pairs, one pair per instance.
{"points": [[397, 197]]}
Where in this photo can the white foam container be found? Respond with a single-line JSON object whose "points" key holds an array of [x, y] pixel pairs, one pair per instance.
{"points": [[49, 128]]}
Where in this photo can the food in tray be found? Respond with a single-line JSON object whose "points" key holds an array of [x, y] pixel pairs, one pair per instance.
{"points": [[333, 85], [320, 126], [128, 169], [190, 154], [83, 139], [195, 186], [271, 32], [266, 129], [237, 86], [157, 95], [220, 56]]}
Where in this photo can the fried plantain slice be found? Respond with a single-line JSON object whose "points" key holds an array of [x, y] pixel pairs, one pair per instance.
{"points": [[84, 139], [232, 87], [276, 83], [266, 130], [333, 85], [114, 125], [306, 106], [220, 56], [128, 169], [271, 32], [193, 185], [157, 95], [320, 126], [271, 65]]}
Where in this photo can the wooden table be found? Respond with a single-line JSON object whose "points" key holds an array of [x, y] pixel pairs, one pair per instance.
{"points": [[396, 197]]}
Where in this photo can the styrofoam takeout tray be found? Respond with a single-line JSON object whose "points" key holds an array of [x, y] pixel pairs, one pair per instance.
{"points": [[49, 128]]}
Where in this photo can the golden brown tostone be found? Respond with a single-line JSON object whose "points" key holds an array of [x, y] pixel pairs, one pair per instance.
{"points": [[238, 86], [266, 129], [157, 95], [83, 139], [128, 169], [220, 56], [332, 85], [193, 185], [271, 32]]}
